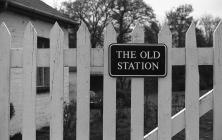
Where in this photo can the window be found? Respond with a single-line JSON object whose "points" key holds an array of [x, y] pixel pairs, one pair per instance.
{"points": [[43, 72], [72, 36], [42, 42], [43, 80], [72, 40]]}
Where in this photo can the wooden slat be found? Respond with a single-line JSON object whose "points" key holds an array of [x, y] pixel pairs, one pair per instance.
{"points": [[97, 57], [66, 78], [29, 82], [205, 57], [70, 57], [217, 43], [66, 85], [56, 82], [83, 83], [109, 90], [165, 89], [137, 95], [191, 86], [178, 120], [5, 43]]}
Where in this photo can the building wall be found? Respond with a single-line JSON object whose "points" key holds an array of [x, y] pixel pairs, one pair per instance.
{"points": [[16, 24]]}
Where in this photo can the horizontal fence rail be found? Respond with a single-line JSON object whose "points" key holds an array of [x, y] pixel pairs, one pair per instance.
{"points": [[95, 60], [205, 57]]}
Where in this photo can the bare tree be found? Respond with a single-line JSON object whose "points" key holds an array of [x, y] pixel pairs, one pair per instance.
{"points": [[94, 13]]}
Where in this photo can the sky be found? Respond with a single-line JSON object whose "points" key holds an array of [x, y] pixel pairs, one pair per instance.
{"points": [[160, 7]]}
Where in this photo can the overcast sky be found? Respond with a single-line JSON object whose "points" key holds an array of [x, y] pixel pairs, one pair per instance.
{"points": [[201, 7]]}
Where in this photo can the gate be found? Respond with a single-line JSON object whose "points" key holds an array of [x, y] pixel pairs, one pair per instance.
{"points": [[88, 59]]}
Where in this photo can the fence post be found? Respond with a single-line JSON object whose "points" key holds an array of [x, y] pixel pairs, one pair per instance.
{"points": [[83, 83], [191, 86], [137, 95], [165, 89], [5, 42], [56, 82], [109, 90], [29, 83], [217, 42]]}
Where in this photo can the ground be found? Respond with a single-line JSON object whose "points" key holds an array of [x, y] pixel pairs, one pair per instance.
{"points": [[123, 121]]}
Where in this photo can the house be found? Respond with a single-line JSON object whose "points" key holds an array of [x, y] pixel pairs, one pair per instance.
{"points": [[16, 14]]}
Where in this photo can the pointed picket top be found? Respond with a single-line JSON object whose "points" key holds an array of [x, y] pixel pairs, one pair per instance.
{"points": [[165, 29], [4, 30], [219, 27], [84, 28], [30, 28], [165, 36], [217, 35], [83, 33], [217, 32], [138, 34], [29, 33], [109, 35], [56, 30], [5, 40], [191, 36]]}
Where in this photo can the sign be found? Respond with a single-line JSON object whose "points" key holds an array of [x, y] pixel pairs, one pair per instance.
{"points": [[137, 60]]}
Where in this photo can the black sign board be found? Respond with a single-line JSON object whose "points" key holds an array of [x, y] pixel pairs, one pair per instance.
{"points": [[137, 60]]}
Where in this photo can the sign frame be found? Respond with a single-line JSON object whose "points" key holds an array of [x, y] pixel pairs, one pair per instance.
{"points": [[139, 44]]}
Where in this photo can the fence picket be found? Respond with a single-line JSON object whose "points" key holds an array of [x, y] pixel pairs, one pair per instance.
{"points": [[29, 58], [137, 95], [5, 42], [165, 89], [29, 69], [109, 90], [191, 86], [217, 125], [56, 82], [83, 83]]}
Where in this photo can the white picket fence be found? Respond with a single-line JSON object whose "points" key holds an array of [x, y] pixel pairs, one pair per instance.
{"points": [[87, 60]]}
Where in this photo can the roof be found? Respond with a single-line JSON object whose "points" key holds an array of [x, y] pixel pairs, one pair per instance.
{"points": [[41, 8]]}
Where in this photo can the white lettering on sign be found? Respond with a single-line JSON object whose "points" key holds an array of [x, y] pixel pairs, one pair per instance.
{"points": [[138, 65], [126, 54], [137, 60], [150, 55]]}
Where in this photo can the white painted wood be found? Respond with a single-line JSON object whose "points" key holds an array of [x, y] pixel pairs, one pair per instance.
{"points": [[137, 95], [191, 86], [205, 57], [97, 57], [165, 89], [70, 57], [66, 72], [56, 82], [109, 90], [178, 120], [66, 85], [5, 42], [83, 83], [217, 43], [29, 83]]}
